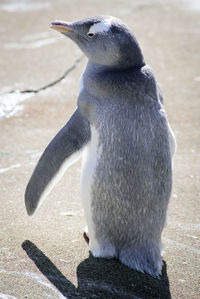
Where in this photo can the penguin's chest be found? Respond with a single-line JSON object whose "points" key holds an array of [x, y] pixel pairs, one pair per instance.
{"points": [[91, 157]]}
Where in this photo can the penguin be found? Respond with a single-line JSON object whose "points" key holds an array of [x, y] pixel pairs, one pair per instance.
{"points": [[121, 131]]}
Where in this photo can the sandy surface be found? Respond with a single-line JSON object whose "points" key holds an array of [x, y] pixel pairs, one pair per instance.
{"points": [[45, 256]]}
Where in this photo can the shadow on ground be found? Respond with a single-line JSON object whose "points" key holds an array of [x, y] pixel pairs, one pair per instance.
{"points": [[100, 278]]}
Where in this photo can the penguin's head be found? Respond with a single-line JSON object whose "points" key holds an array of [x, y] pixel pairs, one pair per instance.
{"points": [[105, 40]]}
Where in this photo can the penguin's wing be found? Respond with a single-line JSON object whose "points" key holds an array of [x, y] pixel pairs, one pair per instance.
{"points": [[61, 153]]}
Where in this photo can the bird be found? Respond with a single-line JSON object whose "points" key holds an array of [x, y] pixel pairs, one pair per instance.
{"points": [[121, 131]]}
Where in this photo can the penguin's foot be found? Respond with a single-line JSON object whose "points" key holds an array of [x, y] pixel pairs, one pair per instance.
{"points": [[102, 251], [86, 237], [99, 250]]}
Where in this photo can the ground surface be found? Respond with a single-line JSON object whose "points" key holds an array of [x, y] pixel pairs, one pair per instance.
{"points": [[45, 256]]}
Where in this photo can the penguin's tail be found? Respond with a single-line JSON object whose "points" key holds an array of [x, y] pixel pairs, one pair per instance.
{"points": [[145, 259]]}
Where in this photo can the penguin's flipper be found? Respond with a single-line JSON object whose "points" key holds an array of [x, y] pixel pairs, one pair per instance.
{"points": [[61, 153]]}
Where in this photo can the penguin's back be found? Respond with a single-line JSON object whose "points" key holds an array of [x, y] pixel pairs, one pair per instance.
{"points": [[132, 178], [127, 173]]}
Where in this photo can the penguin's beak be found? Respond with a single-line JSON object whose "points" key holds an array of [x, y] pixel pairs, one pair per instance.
{"points": [[63, 27]]}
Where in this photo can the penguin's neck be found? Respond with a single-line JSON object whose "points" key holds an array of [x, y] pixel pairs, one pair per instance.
{"points": [[126, 62], [98, 68]]}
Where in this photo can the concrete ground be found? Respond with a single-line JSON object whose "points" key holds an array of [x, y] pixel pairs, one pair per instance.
{"points": [[45, 256]]}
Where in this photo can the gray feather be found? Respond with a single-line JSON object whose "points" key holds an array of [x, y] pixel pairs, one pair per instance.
{"points": [[133, 177]]}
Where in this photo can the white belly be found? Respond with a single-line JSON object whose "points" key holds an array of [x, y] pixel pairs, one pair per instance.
{"points": [[91, 156]]}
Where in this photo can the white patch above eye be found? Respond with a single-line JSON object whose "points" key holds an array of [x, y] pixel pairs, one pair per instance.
{"points": [[102, 26]]}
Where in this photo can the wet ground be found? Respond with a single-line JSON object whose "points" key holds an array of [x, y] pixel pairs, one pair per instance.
{"points": [[45, 256]]}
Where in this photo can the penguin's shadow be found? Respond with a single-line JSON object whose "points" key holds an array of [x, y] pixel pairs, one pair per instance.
{"points": [[101, 278]]}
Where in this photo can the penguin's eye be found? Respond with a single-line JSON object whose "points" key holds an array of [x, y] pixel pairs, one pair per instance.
{"points": [[90, 34]]}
